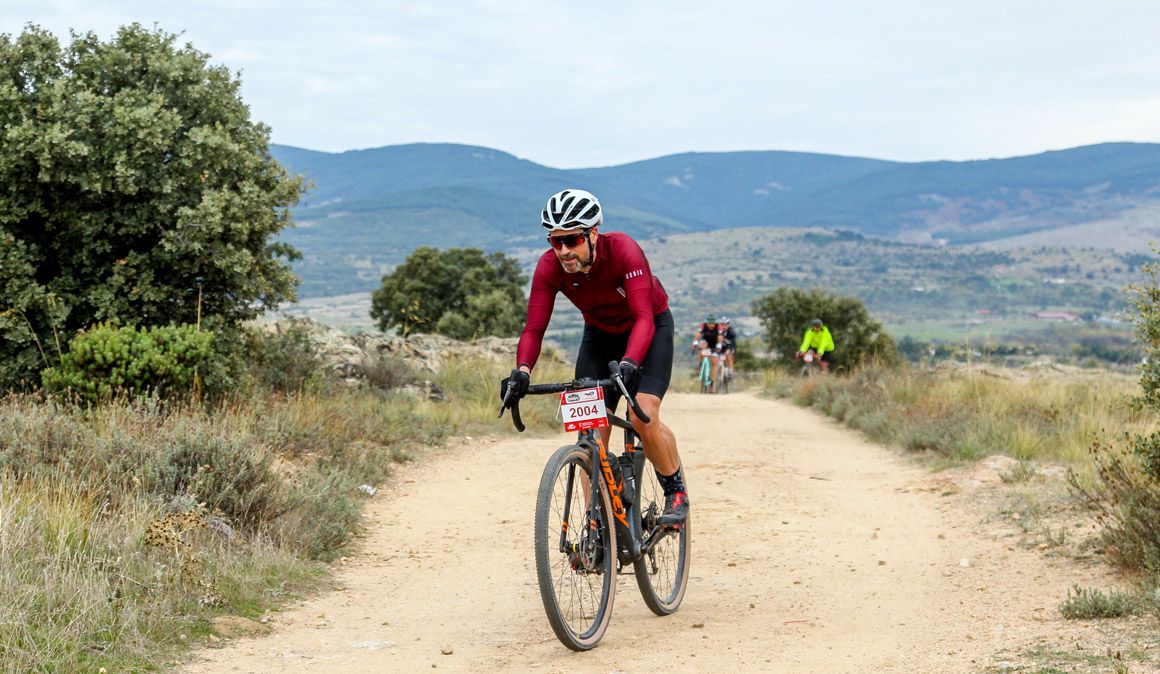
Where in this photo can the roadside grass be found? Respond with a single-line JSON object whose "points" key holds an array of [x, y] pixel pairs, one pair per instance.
{"points": [[1089, 603], [960, 415], [126, 528], [1028, 513], [966, 413], [475, 401], [1060, 660]]}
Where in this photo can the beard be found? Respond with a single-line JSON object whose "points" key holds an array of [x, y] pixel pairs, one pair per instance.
{"points": [[573, 263]]}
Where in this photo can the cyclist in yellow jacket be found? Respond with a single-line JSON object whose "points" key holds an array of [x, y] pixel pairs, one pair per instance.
{"points": [[818, 342]]}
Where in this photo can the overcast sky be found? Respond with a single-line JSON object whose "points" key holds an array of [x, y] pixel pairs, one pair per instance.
{"points": [[601, 82]]}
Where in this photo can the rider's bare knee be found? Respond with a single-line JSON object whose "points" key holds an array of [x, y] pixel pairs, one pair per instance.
{"points": [[651, 406]]}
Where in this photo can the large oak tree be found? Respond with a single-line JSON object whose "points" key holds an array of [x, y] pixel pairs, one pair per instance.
{"points": [[460, 292], [133, 187]]}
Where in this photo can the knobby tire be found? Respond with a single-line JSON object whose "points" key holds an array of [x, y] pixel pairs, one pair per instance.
{"points": [[578, 605], [663, 574]]}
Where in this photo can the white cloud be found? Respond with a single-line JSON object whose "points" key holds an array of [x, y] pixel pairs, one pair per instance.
{"points": [[603, 82]]}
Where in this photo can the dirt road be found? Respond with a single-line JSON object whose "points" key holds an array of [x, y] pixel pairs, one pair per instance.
{"points": [[814, 551]]}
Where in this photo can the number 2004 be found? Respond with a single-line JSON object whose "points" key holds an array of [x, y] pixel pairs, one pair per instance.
{"points": [[583, 411]]}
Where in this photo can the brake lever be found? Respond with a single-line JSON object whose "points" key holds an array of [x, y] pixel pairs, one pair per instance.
{"points": [[614, 370], [514, 407], [503, 405]]}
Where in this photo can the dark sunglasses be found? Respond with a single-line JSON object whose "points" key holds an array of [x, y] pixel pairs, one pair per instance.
{"points": [[570, 240]]}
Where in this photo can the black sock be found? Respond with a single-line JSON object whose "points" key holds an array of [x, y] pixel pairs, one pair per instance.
{"points": [[671, 484]]}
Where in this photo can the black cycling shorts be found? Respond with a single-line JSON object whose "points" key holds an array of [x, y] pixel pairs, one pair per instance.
{"points": [[825, 357], [597, 348]]}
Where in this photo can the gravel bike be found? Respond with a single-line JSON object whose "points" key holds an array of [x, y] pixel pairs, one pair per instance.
{"points": [[592, 524], [811, 365], [724, 373], [705, 374]]}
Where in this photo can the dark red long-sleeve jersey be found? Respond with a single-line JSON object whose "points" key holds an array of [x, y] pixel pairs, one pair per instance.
{"points": [[618, 294]]}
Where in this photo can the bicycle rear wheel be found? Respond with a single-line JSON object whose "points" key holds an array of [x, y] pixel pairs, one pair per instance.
{"points": [[663, 573], [575, 556]]}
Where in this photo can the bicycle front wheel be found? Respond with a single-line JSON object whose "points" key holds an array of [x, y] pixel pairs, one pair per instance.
{"points": [[575, 550], [663, 573]]}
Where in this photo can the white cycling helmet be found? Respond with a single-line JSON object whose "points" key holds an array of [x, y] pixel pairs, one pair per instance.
{"points": [[572, 209]]}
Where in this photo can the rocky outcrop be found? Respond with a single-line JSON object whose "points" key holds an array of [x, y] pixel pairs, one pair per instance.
{"points": [[349, 358]]}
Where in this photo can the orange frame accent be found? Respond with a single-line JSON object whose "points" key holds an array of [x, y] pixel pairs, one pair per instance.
{"points": [[614, 489]]}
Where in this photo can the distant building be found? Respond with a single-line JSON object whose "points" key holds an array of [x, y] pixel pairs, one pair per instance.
{"points": [[1057, 316]]}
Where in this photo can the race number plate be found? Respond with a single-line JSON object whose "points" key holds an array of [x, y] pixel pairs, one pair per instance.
{"points": [[583, 410]]}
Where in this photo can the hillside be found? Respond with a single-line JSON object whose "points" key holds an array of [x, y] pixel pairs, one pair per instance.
{"points": [[950, 293], [369, 208]]}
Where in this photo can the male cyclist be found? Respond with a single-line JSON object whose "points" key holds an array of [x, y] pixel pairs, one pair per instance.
{"points": [[817, 341], [708, 330], [626, 319]]}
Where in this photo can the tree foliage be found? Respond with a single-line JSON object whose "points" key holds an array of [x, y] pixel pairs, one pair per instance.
{"points": [[460, 292], [786, 314], [133, 187]]}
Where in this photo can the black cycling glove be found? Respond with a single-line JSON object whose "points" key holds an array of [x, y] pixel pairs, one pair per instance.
{"points": [[630, 373], [518, 379]]}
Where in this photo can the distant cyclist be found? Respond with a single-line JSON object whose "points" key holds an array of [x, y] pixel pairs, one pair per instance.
{"points": [[707, 331], [818, 343], [626, 319], [720, 359], [726, 329]]}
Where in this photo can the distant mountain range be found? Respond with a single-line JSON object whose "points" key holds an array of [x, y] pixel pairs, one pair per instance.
{"points": [[369, 208]]}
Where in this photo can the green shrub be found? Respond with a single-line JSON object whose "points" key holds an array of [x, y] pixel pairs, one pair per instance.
{"points": [[286, 359], [1127, 505], [1127, 501], [228, 475], [1089, 603], [387, 372], [326, 515], [108, 361], [745, 359]]}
